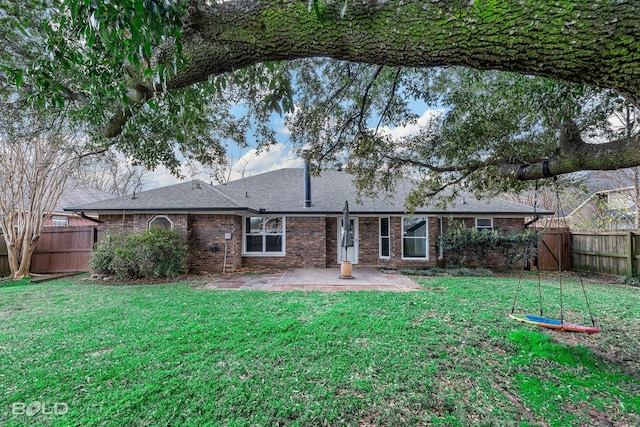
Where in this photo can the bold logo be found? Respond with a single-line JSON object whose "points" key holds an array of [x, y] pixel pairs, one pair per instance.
{"points": [[36, 407]]}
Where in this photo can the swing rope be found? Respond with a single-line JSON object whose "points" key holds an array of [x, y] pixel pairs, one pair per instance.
{"points": [[558, 258], [526, 253], [535, 210], [584, 291], [559, 243]]}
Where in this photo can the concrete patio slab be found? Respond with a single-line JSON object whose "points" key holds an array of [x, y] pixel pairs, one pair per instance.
{"points": [[326, 280]]}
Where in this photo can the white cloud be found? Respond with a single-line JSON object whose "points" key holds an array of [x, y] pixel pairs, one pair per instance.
{"points": [[279, 156], [409, 129]]}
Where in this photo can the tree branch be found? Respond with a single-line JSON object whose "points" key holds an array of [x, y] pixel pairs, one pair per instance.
{"points": [[573, 154], [392, 94], [365, 97], [558, 42]]}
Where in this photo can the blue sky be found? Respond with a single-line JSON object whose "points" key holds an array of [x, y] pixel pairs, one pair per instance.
{"points": [[278, 156]]}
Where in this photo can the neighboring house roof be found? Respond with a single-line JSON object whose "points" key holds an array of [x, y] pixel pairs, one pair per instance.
{"points": [[282, 192], [597, 181], [80, 196], [599, 193]]}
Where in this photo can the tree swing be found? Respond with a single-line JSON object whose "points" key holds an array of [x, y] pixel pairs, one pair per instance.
{"points": [[541, 320]]}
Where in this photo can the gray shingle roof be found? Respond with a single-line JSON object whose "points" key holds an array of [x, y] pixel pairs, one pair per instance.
{"points": [[282, 191], [186, 196], [81, 196]]}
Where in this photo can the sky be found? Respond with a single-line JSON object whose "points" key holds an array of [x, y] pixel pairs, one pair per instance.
{"points": [[279, 156]]}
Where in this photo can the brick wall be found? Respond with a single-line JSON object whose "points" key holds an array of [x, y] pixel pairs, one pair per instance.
{"points": [[396, 244], [369, 243], [311, 242], [331, 242], [206, 231], [305, 240], [139, 222], [305, 245]]}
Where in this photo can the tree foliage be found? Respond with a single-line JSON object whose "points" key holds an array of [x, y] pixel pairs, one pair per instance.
{"points": [[167, 80]]}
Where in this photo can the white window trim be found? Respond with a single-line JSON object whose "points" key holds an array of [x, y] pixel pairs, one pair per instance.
{"points": [[380, 237], [483, 227], [264, 254], [426, 257], [55, 218], [159, 216]]}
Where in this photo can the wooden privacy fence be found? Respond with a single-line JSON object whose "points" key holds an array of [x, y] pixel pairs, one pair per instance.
{"points": [[59, 250], [4, 261], [607, 252]]}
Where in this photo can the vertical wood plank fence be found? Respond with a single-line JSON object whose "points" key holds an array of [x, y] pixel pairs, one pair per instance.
{"points": [[607, 252], [4, 261], [59, 250]]}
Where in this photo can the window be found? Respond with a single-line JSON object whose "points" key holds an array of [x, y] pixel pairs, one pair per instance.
{"points": [[484, 224], [59, 221], [385, 239], [414, 238], [264, 235], [160, 222]]}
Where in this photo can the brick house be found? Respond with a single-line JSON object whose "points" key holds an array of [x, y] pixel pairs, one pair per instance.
{"points": [[287, 219]]}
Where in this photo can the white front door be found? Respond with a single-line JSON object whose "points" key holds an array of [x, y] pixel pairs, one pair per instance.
{"points": [[351, 254]]}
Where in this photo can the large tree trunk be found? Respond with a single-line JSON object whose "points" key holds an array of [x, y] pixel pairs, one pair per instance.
{"points": [[12, 260], [20, 244], [597, 43], [24, 269], [588, 42]]}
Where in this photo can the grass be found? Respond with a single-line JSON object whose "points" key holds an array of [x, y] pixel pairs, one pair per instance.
{"points": [[173, 354]]}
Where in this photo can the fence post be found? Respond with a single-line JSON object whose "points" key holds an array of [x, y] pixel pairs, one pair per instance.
{"points": [[630, 254]]}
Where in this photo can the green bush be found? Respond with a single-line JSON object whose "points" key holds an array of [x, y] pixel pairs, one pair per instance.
{"points": [[630, 281], [152, 254], [465, 245]]}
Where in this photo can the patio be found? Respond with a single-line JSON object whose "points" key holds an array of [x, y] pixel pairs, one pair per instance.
{"points": [[364, 279]]}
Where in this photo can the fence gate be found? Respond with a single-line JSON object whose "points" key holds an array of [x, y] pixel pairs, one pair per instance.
{"points": [[556, 243]]}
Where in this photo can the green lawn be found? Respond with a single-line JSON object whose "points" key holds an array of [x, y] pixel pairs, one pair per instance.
{"points": [[161, 355]]}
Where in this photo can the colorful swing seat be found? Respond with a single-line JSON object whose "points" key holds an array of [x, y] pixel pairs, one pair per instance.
{"points": [[553, 324]]}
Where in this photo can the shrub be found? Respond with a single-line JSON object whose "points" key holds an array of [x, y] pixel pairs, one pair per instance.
{"points": [[465, 245], [630, 281], [517, 246], [152, 254]]}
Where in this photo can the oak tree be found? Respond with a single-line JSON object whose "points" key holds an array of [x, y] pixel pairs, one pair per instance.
{"points": [[160, 76]]}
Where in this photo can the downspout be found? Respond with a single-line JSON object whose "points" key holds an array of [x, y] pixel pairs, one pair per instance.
{"points": [[533, 221], [83, 215]]}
